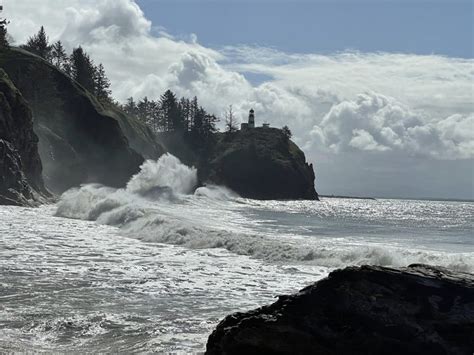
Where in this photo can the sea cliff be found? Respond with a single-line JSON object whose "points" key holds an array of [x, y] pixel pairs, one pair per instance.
{"points": [[80, 139], [261, 163], [21, 181]]}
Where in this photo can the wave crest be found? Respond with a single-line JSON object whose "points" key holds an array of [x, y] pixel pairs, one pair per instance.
{"points": [[153, 208]]}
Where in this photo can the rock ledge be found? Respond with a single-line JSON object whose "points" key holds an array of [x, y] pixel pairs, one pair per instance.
{"points": [[420, 309]]}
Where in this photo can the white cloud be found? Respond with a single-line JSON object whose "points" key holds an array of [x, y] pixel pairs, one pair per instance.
{"points": [[371, 103], [363, 140], [373, 122]]}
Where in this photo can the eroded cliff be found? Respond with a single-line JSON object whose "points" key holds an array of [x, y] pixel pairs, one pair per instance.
{"points": [[21, 181]]}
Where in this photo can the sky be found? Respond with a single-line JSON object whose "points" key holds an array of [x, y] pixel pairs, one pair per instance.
{"points": [[379, 94], [421, 27]]}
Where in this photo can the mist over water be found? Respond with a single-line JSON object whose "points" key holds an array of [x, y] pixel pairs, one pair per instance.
{"points": [[159, 205], [156, 265]]}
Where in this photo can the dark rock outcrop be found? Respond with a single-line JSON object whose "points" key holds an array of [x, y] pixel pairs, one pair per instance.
{"points": [[21, 181], [360, 310], [80, 140], [14, 188], [262, 163]]}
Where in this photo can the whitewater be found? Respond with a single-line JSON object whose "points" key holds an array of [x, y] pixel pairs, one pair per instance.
{"points": [[156, 265]]}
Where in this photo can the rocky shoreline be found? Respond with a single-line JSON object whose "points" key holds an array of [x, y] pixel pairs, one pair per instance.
{"points": [[419, 309]]}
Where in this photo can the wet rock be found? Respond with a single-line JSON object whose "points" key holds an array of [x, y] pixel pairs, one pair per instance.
{"points": [[360, 310]]}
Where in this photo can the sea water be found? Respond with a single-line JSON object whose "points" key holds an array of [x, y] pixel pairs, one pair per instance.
{"points": [[155, 266]]}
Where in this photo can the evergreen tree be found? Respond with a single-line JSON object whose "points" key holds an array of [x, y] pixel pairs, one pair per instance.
{"points": [[193, 113], [144, 109], [82, 69], [130, 107], [58, 55], [170, 111], [38, 44], [198, 121], [156, 121], [185, 112], [287, 132], [67, 67], [230, 121], [170, 115], [209, 126], [3, 34], [102, 85]]}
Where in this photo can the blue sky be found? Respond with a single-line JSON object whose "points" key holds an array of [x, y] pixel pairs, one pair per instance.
{"points": [[417, 27]]}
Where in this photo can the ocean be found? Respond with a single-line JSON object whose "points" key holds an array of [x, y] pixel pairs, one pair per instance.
{"points": [[155, 266]]}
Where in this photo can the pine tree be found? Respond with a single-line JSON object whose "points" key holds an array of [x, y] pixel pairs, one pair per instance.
{"points": [[102, 85], [130, 107], [144, 109], [58, 55], [209, 126], [193, 111], [185, 112], [170, 111], [3, 34], [154, 115], [286, 132], [38, 44], [198, 121], [82, 69]]}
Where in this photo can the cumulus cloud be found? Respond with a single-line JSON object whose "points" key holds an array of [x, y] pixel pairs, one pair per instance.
{"points": [[372, 103], [373, 122]]}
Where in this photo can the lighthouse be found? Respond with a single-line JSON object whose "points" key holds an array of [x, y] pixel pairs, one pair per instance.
{"points": [[251, 118], [251, 122]]}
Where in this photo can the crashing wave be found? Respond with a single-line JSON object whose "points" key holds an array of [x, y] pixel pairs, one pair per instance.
{"points": [[157, 206]]}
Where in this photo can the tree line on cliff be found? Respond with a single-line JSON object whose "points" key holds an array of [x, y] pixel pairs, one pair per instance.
{"points": [[167, 114], [78, 65]]}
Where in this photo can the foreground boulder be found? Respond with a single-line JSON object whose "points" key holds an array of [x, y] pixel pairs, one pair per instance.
{"points": [[21, 182], [360, 310]]}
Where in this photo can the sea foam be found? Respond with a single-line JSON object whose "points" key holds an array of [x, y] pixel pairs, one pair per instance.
{"points": [[160, 205]]}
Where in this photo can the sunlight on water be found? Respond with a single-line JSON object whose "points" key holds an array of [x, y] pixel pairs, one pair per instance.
{"points": [[151, 268], [74, 285]]}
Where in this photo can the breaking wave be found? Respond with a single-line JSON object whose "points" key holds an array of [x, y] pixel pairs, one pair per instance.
{"points": [[167, 172], [160, 204]]}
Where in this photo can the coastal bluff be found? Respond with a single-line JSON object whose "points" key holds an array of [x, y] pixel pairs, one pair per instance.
{"points": [[260, 163], [21, 181], [419, 309], [79, 139]]}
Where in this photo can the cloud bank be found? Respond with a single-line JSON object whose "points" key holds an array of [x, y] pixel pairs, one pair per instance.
{"points": [[370, 104]]}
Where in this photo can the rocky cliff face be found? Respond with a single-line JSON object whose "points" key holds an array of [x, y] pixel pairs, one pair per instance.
{"points": [[80, 141], [21, 182], [261, 163], [360, 310]]}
